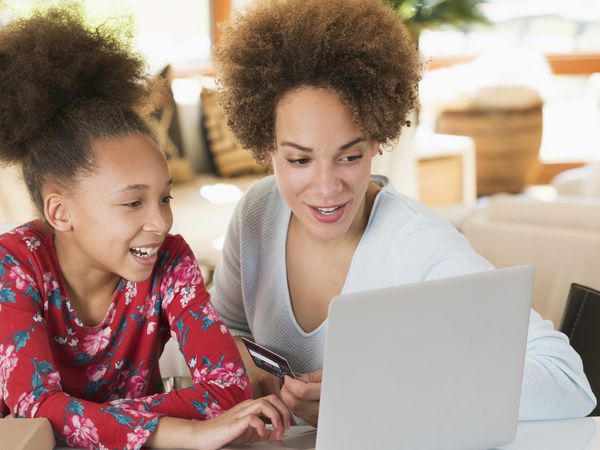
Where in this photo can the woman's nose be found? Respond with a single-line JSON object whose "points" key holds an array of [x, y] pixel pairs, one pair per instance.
{"points": [[328, 181]]}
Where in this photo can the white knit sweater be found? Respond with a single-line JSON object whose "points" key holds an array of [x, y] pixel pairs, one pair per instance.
{"points": [[403, 243]]}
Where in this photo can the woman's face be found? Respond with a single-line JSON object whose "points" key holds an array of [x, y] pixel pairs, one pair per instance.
{"points": [[120, 213], [322, 161]]}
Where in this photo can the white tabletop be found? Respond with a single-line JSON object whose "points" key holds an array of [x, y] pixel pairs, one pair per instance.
{"points": [[572, 434]]}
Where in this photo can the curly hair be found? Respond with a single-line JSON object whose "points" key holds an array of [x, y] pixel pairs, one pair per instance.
{"points": [[359, 49], [63, 86]]}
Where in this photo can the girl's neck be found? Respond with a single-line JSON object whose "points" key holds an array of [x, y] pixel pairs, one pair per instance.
{"points": [[86, 284]]}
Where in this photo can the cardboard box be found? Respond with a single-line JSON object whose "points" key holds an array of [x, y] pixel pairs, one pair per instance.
{"points": [[26, 434]]}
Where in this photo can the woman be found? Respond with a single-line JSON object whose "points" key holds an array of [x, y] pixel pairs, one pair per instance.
{"points": [[314, 88], [90, 294]]}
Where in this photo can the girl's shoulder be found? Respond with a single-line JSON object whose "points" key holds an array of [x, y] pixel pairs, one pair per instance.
{"points": [[33, 237], [173, 252], [173, 246]]}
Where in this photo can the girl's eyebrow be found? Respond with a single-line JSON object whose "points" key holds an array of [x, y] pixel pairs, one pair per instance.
{"points": [[309, 150], [139, 187]]}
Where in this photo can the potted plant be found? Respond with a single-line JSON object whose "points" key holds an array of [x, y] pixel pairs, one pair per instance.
{"points": [[420, 15]]}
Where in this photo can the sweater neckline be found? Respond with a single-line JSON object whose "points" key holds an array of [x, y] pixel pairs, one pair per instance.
{"points": [[286, 218]]}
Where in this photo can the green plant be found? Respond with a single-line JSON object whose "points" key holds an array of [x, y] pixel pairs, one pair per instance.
{"points": [[427, 14]]}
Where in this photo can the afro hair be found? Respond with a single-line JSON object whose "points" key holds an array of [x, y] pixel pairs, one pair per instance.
{"points": [[63, 85], [359, 49]]}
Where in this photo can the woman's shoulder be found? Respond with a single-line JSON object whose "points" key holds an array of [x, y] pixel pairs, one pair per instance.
{"points": [[260, 204], [262, 192], [397, 215], [391, 206]]}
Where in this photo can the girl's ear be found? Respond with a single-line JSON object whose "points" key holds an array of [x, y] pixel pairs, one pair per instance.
{"points": [[56, 211]]}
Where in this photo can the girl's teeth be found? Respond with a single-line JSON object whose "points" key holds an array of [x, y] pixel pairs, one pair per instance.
{"points": [[144, 252]]}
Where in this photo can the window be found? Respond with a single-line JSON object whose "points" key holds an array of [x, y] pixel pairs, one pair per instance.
{"points": [[568, 33], [176, 32], [549, 26]]}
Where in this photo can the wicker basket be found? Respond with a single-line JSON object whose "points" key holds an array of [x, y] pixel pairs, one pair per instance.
{"points": [[507, 143]]}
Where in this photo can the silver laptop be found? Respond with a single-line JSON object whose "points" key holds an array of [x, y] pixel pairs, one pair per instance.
{"points": [[426, 366]]}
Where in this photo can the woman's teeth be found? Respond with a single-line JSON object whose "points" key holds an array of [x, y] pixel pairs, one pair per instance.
{"points": [[328, 211], [144, 252]]}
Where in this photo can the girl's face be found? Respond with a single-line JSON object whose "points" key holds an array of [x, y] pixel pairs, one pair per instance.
{"points": [[119, 214], [322, 161]]}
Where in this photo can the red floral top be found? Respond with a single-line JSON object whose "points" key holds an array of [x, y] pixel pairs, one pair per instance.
{"points": [[100, 386]]}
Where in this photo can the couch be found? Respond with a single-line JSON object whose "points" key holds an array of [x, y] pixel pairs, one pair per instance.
{"points": [[560, 238]]}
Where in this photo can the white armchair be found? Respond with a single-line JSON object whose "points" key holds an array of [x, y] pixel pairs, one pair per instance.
{"points": [[582, 182], [560, 238]]}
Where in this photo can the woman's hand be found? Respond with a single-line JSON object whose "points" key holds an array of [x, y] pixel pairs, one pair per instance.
{"points": [[303, 395], [243, 423], [262, 382]]}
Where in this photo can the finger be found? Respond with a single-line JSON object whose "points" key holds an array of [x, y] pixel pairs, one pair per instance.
{"points": [[277, 435], [284, 412], [257, 424], [302, 390], [289, 399], [263, 406], [312, 377]]}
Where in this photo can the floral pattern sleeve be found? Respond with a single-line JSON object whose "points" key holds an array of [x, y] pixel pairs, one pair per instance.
{"points": [[218, 375], [30, 385], [99, 385]]}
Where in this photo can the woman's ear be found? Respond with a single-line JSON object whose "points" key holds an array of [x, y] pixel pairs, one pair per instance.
{"points": [[376, 148], [56, 211]]}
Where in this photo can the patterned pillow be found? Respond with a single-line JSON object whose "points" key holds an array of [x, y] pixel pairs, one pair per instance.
{"points": [[165, 120], [229, 157]]}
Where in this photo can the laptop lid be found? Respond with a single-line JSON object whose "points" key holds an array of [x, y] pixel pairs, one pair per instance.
{"points": [[426, 366]]}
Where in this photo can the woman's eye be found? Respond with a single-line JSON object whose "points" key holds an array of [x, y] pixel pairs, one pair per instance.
{"points": [[299, 161], [353, 158], [167, 199], [134, 204]]}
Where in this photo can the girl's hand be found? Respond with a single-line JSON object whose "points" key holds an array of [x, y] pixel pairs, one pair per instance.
{"points": [[243, 423], [303, 396]]}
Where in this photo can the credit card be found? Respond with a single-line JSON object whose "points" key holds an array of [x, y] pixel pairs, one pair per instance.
{"points": [[267, 360]]}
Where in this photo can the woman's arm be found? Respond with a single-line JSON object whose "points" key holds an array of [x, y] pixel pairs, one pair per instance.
{"points": [[262, 382], [226, 291], [554, 384]]}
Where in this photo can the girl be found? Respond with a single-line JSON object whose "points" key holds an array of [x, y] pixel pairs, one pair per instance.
{"points": [[90, 294]]}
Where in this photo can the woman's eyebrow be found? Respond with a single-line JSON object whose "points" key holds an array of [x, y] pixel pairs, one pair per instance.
{"points": [[296, 146], [308, 149], [353, 142]]}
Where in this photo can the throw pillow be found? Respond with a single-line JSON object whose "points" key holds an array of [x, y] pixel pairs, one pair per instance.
{"points": [[230, 159]]}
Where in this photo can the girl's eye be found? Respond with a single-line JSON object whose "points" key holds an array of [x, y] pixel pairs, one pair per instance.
{"points": [[134, 204], [167, 199], [299, 161]]}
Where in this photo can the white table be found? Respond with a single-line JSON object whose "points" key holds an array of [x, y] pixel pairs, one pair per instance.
{"points": [[573, 434]]}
